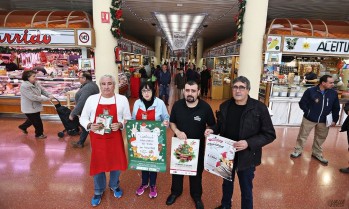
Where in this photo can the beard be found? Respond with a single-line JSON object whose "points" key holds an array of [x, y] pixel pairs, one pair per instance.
{"points": [[190, 99]]}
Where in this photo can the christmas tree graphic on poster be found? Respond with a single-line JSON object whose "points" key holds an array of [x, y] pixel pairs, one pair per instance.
{"points": [[146, 143]]}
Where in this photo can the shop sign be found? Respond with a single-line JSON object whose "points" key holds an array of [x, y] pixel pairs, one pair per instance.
{"points": [[46, 37], [137, 49], [218, 52], [232, 50], [124, 46], [273, 44], [315, 45]]}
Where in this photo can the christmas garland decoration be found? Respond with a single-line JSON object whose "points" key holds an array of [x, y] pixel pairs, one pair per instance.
{"points": [[116, 16], [239, 20]]}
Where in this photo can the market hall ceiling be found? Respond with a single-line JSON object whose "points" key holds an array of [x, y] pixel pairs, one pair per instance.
{"points": [[138, 14]]}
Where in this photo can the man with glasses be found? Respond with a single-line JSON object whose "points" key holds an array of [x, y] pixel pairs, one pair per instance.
{"points": [[189, 118], [246, 121], [317, 103], [88, 88]]}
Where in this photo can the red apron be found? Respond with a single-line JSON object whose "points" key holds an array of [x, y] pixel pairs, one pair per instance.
{"points": [[145, 115], [108, 151]]}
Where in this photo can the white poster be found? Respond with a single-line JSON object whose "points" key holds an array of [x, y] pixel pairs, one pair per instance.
{"points": [[178, 40], [184, 156], [146, 144], [219, 156]]}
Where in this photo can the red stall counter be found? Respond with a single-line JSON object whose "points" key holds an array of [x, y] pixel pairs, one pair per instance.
{"points": [[134, 85]]}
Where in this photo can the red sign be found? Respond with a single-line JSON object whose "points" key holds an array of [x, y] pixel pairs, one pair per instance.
{"points": [[105, 16]]}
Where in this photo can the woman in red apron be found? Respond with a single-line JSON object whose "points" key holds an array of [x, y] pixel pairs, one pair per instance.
{"points": [[107, 146], [149, 107]]}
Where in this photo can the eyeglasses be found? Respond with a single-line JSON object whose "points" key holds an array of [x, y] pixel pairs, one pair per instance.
{"points": [[146, 90], [241, 88]]}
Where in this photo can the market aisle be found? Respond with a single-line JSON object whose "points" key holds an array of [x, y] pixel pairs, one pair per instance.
{"points": [[51, 174]]}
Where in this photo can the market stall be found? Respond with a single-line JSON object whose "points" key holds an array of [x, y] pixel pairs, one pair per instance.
{"points": [[55, 43], [224, 62], [291, 47]]}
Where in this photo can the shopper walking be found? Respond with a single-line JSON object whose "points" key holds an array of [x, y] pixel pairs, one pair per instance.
{"points": [[107, 148], [149, 107], [164, 81], [317, 103], [180, 81], [205, 77], [31, 103], [87, 88]]}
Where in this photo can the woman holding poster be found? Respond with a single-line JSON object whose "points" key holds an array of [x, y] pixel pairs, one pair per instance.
{"points": [[149, 107]]}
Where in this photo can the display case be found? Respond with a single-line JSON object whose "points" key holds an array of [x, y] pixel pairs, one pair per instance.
{"points": [[60, 87]]}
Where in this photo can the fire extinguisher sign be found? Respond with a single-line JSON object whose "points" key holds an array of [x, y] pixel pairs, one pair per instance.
{"points": [[84, 38]]}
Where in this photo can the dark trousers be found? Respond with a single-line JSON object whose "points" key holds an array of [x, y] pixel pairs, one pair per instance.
{"points": [[164, 91], [245, 180], [195, 182], [204, 89], [83, 135], [35, 120], [149, 176]]}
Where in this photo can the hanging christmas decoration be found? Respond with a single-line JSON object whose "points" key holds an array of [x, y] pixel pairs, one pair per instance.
{"points": [[116, 16], [8, 50], [239, 20]]}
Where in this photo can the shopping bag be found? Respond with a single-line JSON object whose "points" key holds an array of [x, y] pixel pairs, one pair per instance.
{"points": [[329, 120]]}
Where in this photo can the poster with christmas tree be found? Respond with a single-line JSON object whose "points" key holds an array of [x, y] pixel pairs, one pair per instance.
{"points": [[146, 142]]}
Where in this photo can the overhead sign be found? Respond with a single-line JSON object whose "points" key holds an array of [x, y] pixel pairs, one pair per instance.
{"points": [[178, 40], [315, 45], [45, 37]]}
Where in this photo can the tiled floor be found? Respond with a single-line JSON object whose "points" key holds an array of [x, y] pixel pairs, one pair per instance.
{"points": [[51, 174]]}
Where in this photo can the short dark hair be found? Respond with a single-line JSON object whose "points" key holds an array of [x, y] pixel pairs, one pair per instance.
{"points": [[87, 75], [244, 80], [27, 73], [146, 85], [5, 57], [324, 78], [192, 82]]}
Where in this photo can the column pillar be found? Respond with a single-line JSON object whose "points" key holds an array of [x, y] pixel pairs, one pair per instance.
{"points": [[192, 58], [105, 43], [157, 60], [251, 49], [199, 51], [164, 53], [83, 52]]}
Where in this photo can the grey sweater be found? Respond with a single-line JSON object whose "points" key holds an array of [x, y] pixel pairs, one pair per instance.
{"points": [[87, 89]]}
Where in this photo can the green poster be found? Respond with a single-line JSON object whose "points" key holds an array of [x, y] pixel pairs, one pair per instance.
{"points": [[146, 143]]}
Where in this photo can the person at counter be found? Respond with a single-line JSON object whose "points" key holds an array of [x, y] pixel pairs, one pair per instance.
{"points": [[9, 66], [317, 103], [310, 78]]}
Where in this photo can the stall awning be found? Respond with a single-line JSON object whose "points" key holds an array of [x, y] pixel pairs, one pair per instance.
{"points": [[308, 27]]}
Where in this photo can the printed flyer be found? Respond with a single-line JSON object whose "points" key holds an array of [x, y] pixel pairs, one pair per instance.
{"points": [[184, 156], [219, 156], [146, 142]]}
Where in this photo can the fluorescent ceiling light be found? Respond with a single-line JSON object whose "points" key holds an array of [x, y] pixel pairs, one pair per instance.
{"points": [[188, 24]]}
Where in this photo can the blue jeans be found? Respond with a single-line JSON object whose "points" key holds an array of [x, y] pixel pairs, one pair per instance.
{"points": [[164, 91], [99, 181], [83, 135], [245, 179], [149, 176]]}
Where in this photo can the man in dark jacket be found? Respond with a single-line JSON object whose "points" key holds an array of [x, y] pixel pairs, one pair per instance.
{"points": [[164, 82], [246, 121], [88, 88], [180, 81], [205, 77], [317, 103]]}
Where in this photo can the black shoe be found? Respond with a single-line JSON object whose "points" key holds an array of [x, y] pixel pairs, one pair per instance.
{"points": [[199, 204], [221, 207], [171, 199], [77, 145], [23, 130], [344, 170]]}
